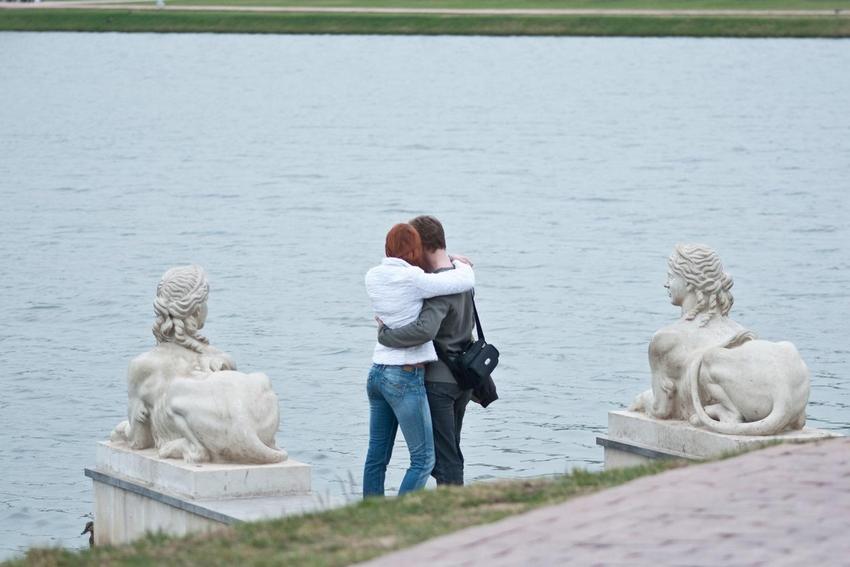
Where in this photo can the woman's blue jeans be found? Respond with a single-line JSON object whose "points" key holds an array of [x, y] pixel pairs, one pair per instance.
{"points": [[397, 398]]}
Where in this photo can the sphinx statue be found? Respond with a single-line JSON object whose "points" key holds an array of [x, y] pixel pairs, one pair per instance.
{"points": [[711, 371], [186, 398]]}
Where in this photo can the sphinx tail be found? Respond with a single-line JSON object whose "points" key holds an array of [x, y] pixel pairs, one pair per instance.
{"points": [[262, 453], [771, 424]]}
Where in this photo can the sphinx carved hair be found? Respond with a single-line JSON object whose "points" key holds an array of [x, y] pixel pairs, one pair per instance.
{"points": [[180, 296], [702, 270]]}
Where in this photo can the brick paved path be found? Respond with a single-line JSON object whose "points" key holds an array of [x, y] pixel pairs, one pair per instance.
{"points": [[786, 505]]}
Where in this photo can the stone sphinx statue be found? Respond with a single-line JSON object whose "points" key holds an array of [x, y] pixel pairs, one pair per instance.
{"points": [[186, 398], [708, 369]]}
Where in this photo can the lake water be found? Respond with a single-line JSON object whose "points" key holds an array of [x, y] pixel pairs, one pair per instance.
{"points": [[566, 168]]}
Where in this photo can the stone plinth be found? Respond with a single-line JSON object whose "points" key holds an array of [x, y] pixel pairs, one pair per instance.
{"points": [[634, 438], [136, 492], [205, 480]]}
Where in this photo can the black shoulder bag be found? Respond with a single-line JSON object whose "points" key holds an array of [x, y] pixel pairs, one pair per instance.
{"points": [[477, 361]]}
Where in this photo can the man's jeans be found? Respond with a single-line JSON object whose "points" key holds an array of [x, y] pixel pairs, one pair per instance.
{"points": [[397, 398], [448, 406]]}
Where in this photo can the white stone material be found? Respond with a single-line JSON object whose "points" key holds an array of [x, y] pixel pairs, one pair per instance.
{"points": [[122, 516], [136, 491], [204, 480], [675, 438], [710, 370], [197, 450], [185, 398], [617, 459]]}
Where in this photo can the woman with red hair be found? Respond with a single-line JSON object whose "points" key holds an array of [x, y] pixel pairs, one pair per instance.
{"points": [[396, 385]]}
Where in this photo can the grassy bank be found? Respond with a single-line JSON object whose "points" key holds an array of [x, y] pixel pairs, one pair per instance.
{"points": [[170, 21], [544, 4], [350, 534]]}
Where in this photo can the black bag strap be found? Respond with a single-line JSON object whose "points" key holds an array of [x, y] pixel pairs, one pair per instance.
{"points": [[477, 320], [442, 354]]}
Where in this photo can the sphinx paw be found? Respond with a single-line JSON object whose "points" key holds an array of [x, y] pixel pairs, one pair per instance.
{"points": [[121, 433], [172, 449], [194, 454], [642, 402]]}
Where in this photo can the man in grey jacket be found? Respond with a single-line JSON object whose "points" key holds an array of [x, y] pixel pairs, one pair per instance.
{"points": [[448, 320]]}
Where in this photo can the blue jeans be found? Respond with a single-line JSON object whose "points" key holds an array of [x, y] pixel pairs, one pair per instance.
{"points": [[397, 398]]}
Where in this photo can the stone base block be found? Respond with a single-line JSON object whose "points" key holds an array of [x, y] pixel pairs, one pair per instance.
{"points": [[634, 438], [136, 492], [122, 516], [205, 480]]}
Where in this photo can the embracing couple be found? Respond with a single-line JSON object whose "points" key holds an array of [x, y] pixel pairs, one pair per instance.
{"points": [[422, 298]]}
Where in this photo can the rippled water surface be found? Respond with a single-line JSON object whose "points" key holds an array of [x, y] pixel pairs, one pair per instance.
{"points": [[566, 168]]}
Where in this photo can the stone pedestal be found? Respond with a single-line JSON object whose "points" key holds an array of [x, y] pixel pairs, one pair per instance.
{"points": [[634, 438], [136, 492]]}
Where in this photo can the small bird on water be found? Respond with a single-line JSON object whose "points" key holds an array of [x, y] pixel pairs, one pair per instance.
{"points": [[89, 530]]}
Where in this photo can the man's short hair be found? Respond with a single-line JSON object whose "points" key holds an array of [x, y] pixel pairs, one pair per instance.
{"points": [[430, 231]]}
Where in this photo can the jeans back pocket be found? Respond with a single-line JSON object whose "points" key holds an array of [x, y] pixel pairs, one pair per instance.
{"points": [[397, 381]]}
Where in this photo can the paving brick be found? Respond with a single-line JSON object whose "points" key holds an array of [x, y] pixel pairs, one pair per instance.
{"points": [[784, 505]]}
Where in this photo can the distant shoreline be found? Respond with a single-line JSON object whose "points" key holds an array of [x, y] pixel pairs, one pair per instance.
{"points": [[367, 20]]}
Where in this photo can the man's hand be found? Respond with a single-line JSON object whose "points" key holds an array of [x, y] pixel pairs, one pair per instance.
{"points": [[460, 258]]}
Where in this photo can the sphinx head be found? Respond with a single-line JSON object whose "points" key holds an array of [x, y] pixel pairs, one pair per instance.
{"points": [[181, 307], [696, 269]]}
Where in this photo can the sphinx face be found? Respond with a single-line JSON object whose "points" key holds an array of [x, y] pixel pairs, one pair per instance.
{"points": [[677, 288]]}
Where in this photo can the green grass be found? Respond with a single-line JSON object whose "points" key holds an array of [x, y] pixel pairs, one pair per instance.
{"points": [[543, 4], [381, 24], [346, 535]]}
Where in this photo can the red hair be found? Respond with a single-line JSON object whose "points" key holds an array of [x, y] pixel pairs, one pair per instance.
{"points": [[404, 242]]}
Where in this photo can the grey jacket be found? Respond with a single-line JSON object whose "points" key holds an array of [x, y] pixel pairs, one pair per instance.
{"points": [[447, 320]]}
